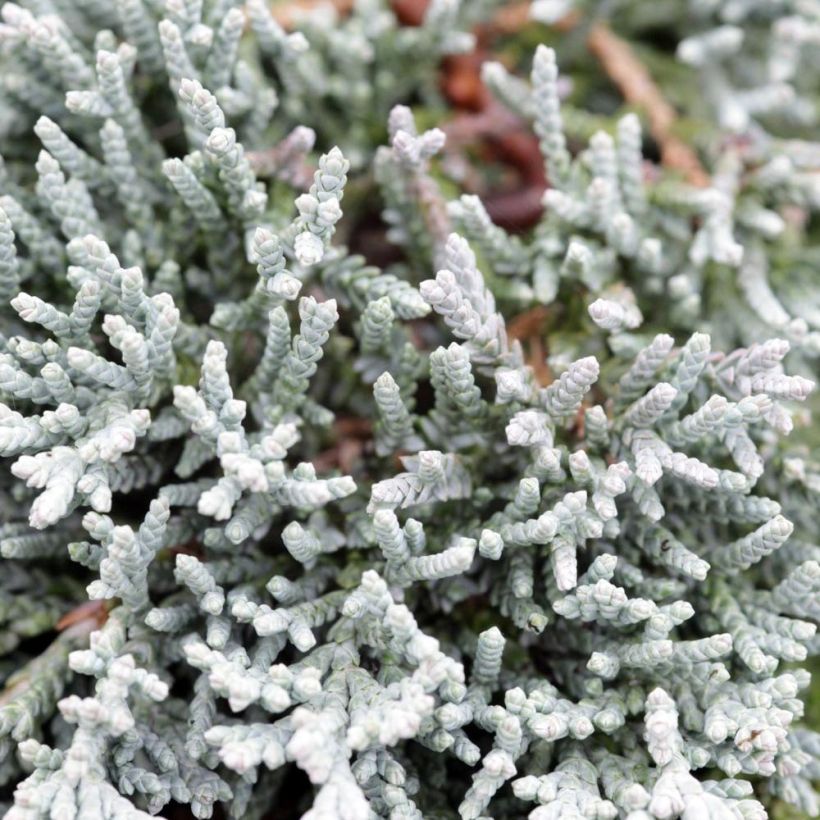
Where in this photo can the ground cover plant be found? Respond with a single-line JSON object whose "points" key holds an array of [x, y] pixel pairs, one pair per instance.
{"points": [[406, 409]]}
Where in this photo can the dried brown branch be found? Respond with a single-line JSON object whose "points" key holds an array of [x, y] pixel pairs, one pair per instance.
{"points": [[513, 17], [433, 210], [287, 12], [410, 12], [463, 87], [461, 80], [344, 455], [501, 137], [71, 636], [528, 323], [286, 161], [96, 611], [537, 360], [629, 74], [190, 547], [352, 436], [633, 80], [528, 328]]}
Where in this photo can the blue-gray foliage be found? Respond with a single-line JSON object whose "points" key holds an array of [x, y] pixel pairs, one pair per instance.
{"points": [[596, 584]]}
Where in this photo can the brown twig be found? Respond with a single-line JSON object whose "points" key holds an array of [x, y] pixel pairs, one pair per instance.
{"points": [[507, 139], [352, 435], [527, 327], [189, 547], [620, 63], [410, 12], [520, 209], [579, 422], [511, 18], [71, 635], [633, 80], [354, 427], [434, 212], [287, 12], [492, 121], [343, 455], [629, 74], [528, 323], [537, 360], [95, 610], [461, 81], [286, 160]]}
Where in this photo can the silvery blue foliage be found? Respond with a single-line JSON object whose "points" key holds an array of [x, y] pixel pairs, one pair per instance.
{"points": [[596, 587]]}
